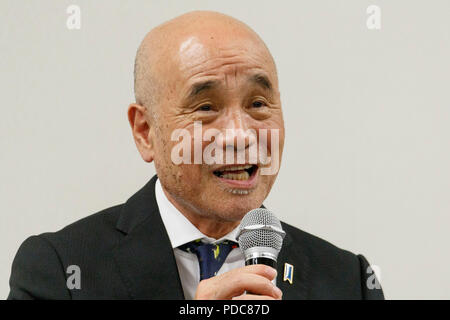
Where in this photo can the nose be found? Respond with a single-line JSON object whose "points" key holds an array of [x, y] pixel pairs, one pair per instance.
{"points": [[237, 138], [237, 133]]}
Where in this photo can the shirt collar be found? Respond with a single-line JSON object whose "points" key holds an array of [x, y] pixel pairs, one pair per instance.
{"points": [[179, 229]]}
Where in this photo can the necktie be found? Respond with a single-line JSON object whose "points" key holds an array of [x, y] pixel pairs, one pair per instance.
{"points": [[210, 256]]}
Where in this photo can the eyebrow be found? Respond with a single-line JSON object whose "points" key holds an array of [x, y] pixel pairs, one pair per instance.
{"points": [[261, 80], [197, 88], [200, 87]]}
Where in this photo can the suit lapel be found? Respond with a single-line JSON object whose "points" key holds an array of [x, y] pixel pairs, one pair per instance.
{"points": [[147, 264], [291, 253], [145, 256]]}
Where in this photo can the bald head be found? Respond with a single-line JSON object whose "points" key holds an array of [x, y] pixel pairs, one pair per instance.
{"points": [[179, 42]]}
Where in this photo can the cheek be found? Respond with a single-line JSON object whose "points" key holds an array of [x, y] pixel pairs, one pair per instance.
{"points": [[281, 144], [190, 174], [272, 139], [163, 145]]}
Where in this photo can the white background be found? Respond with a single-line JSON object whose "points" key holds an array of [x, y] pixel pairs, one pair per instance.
{"points": [[366, 161]]}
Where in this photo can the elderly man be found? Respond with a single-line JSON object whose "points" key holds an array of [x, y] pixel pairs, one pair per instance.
{"points": [[200, 68]]}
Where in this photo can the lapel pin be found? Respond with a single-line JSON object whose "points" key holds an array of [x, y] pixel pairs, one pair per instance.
{"points": [[288, 273]]}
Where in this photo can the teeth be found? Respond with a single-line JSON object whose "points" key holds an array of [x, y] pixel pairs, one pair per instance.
{"points": [[236, 176], [236, 168], [237, 191]]}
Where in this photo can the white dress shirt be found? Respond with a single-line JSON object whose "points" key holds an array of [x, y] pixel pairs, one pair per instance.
{"points": [[181, 231]]}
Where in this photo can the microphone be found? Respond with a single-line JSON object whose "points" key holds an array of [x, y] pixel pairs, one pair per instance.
{"points": [[260, 237]]}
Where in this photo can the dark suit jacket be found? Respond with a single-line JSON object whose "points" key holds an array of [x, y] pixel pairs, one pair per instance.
{"points": [[124, 252]]}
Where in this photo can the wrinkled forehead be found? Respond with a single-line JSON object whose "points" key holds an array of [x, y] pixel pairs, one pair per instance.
{"points": [[218, 54], [194, 51]]}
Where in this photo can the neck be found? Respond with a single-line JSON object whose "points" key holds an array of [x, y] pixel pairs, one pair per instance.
{"points": [[207, 225]]}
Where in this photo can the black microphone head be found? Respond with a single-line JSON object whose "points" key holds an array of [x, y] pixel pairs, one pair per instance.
{"points": [[260, 234]]}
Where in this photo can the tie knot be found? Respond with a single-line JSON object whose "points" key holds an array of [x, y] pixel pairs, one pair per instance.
{"points": [[211, 256], [196, 245]]}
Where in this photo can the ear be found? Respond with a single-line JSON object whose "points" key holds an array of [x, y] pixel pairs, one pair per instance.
{"points": [[140, 126]]}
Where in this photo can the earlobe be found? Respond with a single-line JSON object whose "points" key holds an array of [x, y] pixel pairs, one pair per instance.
{"points": [[140, 127]]}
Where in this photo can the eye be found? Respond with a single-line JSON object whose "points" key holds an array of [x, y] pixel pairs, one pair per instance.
{"points": [[258, 104], [205, 107]]}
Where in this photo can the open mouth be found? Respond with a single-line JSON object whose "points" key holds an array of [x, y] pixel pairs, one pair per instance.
{"points": [[238, 172]]}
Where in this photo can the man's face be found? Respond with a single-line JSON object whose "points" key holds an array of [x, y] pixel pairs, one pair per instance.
{"points": [[226, 84]]}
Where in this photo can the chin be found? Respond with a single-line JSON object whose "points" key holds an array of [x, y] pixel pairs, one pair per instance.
{"points": [[233, 207]]}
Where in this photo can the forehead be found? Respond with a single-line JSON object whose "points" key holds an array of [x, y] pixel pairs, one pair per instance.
{"points": [[221, 58]]}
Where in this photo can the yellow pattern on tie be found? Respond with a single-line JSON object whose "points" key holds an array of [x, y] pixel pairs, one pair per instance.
{"points": [[216, 251]]}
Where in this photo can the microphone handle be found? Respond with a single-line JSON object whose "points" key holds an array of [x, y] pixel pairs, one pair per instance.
{"points": [[263, 260]]}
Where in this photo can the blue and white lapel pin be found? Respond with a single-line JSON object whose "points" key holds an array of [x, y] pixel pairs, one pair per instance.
{"points": [[288, 273]]}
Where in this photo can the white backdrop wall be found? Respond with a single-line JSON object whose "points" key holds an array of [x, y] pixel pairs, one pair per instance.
{"points": [[366, 160]]}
